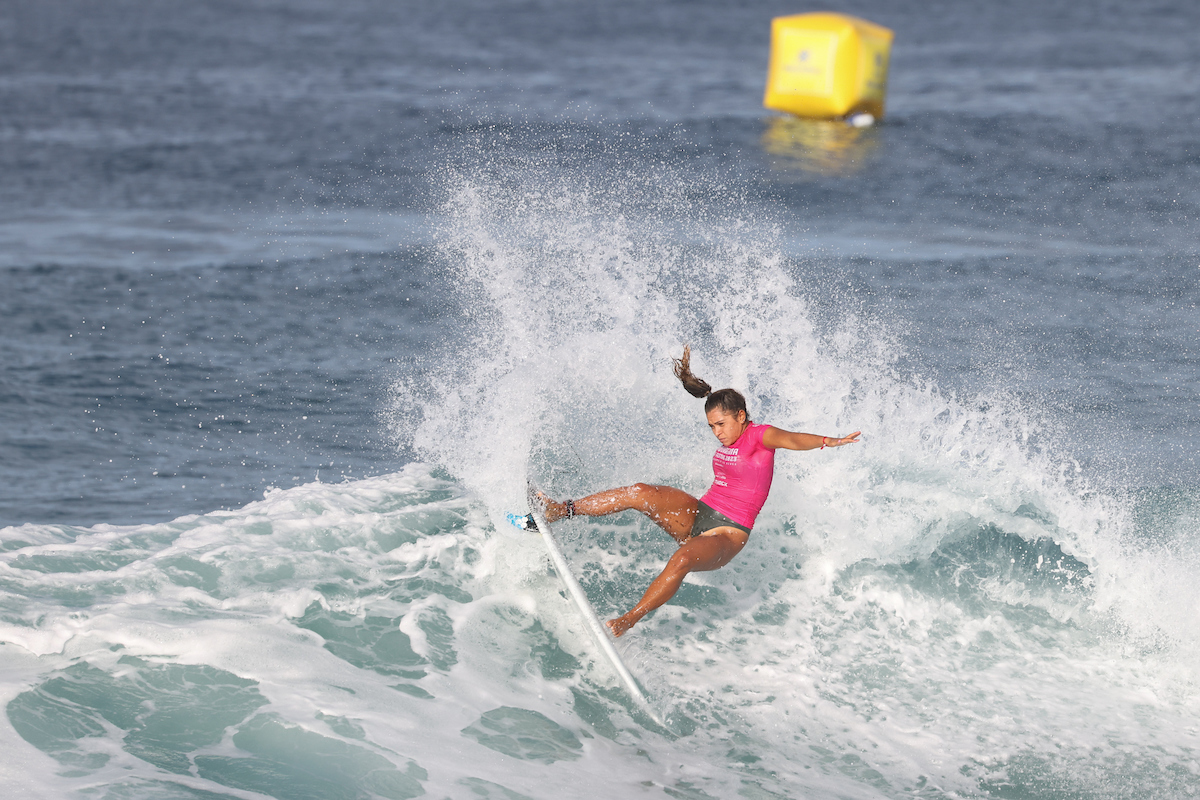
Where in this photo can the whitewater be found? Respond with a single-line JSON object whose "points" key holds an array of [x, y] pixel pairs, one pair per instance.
{"points": [[296, 296], [951, 609]]}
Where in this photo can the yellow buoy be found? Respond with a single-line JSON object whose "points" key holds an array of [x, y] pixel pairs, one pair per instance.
{"points": [[827, 65]]}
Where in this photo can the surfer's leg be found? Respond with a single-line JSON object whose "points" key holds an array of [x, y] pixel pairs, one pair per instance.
{"points": [[708, 551], [671, 509]]}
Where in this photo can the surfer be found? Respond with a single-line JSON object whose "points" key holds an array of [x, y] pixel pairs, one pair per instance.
{"points": [[713, 529]]}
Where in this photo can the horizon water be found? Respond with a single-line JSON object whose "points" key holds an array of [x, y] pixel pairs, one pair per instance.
{"points": [[298, 297]]}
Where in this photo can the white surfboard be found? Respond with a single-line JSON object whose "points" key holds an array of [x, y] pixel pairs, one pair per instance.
{"points": [[600, 632]]}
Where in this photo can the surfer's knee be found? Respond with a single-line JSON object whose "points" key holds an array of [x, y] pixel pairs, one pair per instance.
{"points": [[652, 496], [684, 560], [642, 497]]}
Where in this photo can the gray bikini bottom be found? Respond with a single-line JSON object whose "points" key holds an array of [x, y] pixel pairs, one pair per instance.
{"points": [[707, 519]]}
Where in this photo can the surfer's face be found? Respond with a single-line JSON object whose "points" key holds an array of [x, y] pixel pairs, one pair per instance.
{"points": [[725, 426]]}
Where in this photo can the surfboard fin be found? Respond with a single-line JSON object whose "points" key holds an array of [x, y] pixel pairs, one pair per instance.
{"points": [[523, 521]]}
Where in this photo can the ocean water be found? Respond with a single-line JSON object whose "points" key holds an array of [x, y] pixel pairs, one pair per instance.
{"points": [[297, 295]]}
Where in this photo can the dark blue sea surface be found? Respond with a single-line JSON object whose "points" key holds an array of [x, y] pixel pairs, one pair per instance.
{"points": [[295, 294], [174, 176]]}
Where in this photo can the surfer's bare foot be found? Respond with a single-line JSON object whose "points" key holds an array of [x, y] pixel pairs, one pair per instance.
{"points": [[619, 625], [549, 507], [554, 511]]}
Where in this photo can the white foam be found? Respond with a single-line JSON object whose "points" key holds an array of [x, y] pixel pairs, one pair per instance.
{"points": [[893, 626], [559, 375]]}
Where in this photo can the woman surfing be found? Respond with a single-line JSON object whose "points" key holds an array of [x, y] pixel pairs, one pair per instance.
{"points": [[713, 529]]}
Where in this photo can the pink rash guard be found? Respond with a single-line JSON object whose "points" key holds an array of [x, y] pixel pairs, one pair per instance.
{"points": [[742, 477]]}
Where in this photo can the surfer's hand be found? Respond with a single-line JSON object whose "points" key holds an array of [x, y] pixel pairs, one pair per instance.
{"points": [[850, 439]]}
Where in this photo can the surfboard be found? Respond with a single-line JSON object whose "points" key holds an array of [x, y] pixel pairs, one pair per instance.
{"points": [[600, 633]]}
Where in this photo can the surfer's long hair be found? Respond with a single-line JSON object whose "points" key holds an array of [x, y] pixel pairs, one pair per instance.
{"points": [[728, 400]]}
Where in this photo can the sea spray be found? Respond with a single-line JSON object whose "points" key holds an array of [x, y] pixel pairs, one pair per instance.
{"points": [[950, 608], [897, 595]]}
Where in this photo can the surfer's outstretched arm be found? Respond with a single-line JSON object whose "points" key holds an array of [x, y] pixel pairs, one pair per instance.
{"points": [[708, 551], [779, 439]]}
